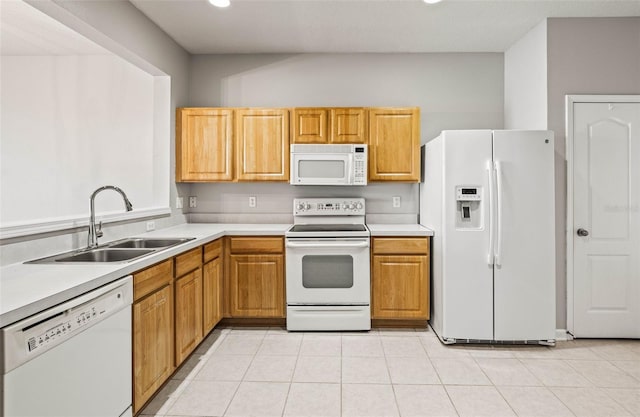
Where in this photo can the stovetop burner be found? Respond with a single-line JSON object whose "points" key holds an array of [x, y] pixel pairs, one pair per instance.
{"points": [[328, 228]]}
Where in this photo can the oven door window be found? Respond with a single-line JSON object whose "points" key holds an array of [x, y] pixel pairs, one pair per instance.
{"points": [[332, 168], [327, 271]]}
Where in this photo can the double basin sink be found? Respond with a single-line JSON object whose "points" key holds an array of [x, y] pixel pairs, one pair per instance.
{"points": [[123, 250]]}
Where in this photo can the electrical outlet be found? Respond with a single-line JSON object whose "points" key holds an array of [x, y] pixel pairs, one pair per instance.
{"points": [[179, 202], [252, 201], [396, 201], [193, 202], [151, 225]]}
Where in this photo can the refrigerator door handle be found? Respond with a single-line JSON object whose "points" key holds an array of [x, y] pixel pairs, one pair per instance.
{"points": [[499, 188], [490, 174]]}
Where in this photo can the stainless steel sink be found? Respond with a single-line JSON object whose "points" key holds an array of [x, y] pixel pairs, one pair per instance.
{"points": [[123, 250], [105, 255], [138, 242]]}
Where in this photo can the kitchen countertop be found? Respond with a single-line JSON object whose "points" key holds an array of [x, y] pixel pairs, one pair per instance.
{"points": [[399, 230], [26, 289]]}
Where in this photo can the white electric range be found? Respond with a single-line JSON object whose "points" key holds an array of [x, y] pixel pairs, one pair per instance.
{"points": [[327, 266]]}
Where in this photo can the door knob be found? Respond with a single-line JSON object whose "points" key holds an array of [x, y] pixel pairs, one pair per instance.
{"points": [[582, 232]]}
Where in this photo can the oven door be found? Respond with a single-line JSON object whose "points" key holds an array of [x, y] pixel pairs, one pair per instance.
{"points": [[321, 168], [328, 271]]}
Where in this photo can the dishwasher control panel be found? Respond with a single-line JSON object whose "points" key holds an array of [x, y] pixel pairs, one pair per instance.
{"points": [[70, 321], [45, 330]]}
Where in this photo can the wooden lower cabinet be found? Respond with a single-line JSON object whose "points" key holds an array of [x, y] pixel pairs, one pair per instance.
{"points": [[257, 286], [188, 313], [152, 344], [400, 278], [211, 294]]}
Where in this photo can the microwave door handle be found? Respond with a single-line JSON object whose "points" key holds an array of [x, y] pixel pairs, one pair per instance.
{"points": [[349, 168]]}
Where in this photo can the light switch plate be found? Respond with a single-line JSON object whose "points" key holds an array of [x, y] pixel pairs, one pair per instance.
{"points": [[396, 201], [179, 202], [252, 201]]}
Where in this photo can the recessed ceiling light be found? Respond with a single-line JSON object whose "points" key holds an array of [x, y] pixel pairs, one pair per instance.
{"points": [[220, 3], [432, 1]]}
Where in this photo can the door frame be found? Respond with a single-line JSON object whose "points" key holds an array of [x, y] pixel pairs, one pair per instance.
{"points": [[570, 100]]}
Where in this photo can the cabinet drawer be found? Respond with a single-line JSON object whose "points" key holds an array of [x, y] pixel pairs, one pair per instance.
{"points": [[152, 278], [212, 250], [257, 244], [188, 261], [401, 245]]}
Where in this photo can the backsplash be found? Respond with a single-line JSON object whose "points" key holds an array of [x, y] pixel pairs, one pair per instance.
{"points": [[229, 203]]}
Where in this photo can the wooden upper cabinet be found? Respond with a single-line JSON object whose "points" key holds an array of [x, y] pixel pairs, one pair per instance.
{"points": [[329, 125], [394, 144], [262, 144], [348, 125], [310, 125], [204, 144]]}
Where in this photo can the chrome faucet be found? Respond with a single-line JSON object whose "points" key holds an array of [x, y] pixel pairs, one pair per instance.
{"points": [[95, 233]]}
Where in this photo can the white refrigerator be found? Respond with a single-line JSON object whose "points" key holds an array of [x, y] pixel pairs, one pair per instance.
{"points": [[489, 197]]}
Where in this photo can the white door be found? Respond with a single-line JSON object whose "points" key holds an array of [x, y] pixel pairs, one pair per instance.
{"points": [[525, 267], [606, 220]]}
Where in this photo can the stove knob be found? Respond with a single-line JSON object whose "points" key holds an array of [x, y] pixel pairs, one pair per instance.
{"points": [[345, 206], [352, 206], [307, 206], [359, 206], [300, 207]]}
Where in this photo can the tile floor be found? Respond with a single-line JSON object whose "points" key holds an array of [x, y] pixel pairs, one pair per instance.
{"points": [[269, 372]]}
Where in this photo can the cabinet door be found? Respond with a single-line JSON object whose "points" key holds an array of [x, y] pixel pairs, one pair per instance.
{"points": [[394, 144], [262, 145], [309, 125], [152, 344], [188, 314], [204, 144], [212, 294], [348, 125], [257, 285], [400, 287]]}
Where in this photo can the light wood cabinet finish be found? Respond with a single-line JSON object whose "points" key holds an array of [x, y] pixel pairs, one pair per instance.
{"points": [[259, 245], [262, 144], [188, 261], [257, 285], [309, 125], [348, 125], [329, 125], [204, 144], [152, 278], [188, 313], [152, 344], [213, 250], [401, 245], [400, 278], [212, 272], [394, 144]]}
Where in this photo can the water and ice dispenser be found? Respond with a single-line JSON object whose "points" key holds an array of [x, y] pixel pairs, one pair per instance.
{"points": [[468, 207]]}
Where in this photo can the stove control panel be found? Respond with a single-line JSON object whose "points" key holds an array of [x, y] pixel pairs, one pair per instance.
{"points": [[328, 207]]}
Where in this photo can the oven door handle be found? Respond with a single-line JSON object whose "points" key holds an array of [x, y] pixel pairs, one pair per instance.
{"points": [[328, 245]]}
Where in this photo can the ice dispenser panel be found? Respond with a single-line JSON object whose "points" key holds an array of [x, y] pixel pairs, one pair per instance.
{"points": [[469, 199]]}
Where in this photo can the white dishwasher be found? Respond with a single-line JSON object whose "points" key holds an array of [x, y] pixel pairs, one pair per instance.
{"points": [[73, 359]]}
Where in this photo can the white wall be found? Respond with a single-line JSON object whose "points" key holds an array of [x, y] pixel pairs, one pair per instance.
{"points": [[70, 124], [585, 56], [453, 91], [121, 28], [525, 81]]}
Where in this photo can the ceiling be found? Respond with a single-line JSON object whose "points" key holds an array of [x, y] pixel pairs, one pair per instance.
{"points": [[353, 26], [26, 31]]}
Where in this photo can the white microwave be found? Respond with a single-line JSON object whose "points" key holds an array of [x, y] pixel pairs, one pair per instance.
{"points": [[329, 164]]}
